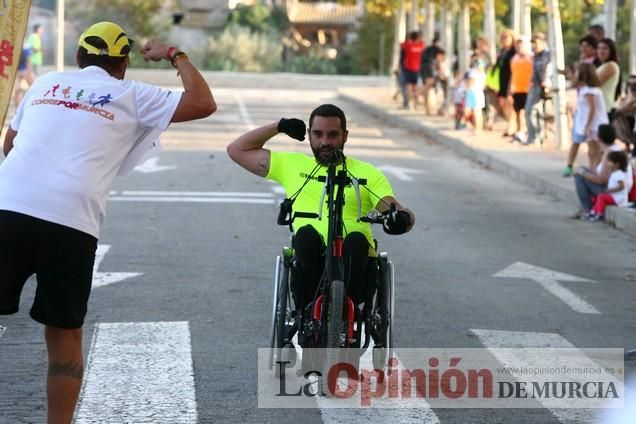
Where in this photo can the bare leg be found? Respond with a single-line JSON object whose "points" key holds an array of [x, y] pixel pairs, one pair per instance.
{"points": [[412, 95], [574, 150], [479, 119], [66, 368], [593, 153]]}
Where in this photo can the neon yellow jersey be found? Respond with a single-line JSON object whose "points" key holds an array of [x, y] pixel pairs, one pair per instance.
{"points": [[36, 49], [291, 170]]}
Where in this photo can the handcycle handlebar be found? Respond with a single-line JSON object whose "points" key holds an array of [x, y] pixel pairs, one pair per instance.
{"points": [[376, 217]]}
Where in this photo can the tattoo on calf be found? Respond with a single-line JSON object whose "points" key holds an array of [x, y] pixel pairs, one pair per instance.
{"points": [[263, 166], [69, 369]]}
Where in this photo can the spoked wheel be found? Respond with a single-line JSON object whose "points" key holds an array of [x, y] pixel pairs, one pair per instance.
{"points": [[335, 330], [274, 325], [384, 308], [281, 318]]}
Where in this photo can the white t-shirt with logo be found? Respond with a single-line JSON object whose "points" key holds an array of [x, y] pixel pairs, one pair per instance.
{"points": [[74, 132], [620, 197]]}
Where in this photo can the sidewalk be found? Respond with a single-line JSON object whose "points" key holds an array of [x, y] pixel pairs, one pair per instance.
{"points": [[535, 166]]}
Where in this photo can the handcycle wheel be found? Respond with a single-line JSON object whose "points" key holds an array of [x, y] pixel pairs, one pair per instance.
{"points": [[385, 306], [279, 312], [273, 327], [334, 322]]}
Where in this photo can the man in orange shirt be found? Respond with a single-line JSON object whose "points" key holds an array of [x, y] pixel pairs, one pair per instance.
{"points": [[520, 81], [410, 62]]}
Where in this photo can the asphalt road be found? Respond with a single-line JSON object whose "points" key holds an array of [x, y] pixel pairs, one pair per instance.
{"points": [[202, 234]]}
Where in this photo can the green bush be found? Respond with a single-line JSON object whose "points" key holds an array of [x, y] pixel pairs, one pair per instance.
{"points": [[258, 52], [259, 18], [311, 64]]}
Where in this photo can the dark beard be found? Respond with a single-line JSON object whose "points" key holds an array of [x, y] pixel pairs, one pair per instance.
{"points": [[333, 156]]}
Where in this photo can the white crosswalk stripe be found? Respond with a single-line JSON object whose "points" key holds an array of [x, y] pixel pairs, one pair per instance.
{"points": [[191, 197], [139, 372], [499, 341], [402, 411]]}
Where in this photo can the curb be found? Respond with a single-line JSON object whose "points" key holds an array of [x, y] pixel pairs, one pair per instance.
{"points": [[620, 218]]}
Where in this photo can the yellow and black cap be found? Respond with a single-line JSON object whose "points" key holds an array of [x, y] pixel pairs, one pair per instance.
{"points": [[106, 39]]}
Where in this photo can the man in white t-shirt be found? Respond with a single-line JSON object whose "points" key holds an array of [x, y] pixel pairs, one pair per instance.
{"points": [[72, 134]]}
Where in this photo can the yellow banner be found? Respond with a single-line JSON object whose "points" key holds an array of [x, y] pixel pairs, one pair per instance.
{"points": [[14, 16]]}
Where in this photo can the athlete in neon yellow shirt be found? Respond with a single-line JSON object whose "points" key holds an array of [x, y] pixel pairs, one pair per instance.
{"points": [[327, 132]]}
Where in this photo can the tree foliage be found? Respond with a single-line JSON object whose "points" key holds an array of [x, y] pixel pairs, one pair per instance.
{"points": [[258, 52], [139, 18], [375, 35]]}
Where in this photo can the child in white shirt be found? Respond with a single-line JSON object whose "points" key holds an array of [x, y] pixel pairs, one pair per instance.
{"points": [[590, 113], [616, 193], [459, 100]]}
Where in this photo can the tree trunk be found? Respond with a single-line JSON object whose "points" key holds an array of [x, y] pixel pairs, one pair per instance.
{"points": [[515, 16], [610, 19], [400, 35], [447, 8], [59, 54], [632, 43], [463, 38], [526, 18], [558, 79], [430, 21], [490, 28], [412, 23]]}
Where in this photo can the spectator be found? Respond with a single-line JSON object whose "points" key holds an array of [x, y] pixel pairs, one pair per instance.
{"points": [[616, 192], [590, 112], [24, 75], [587, 47], [400, 87], [411, 57], [539, 86], [590, 183], [520, 79], [427, 70], [609, 74], [596, 31], [459, 99], [443, 75], [483, 51], [63, 151], [624, 120], [35, 43], [502, 65], [475, 99]]}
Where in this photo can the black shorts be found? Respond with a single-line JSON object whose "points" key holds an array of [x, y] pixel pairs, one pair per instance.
{"points": [[410, 77], [61, 257], [427, 72], [519, 101]]}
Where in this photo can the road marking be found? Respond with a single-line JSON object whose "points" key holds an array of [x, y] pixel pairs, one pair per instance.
{"points": [[191, 193], [2, 330], [152, 165], [501, 343], [192, 200], [279, 190], [548, 279], [245, 115], [101, 279], [401, 411], [399, 172], [139, 372], [191, 197]]}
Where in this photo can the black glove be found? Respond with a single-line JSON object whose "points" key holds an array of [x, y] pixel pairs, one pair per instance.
{"points": [[397, 223], [295, 128]]}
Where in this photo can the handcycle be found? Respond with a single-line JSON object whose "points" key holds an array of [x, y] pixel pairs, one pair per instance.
{"points": [[332, 320]]}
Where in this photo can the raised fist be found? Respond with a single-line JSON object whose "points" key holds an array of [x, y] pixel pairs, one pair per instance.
{"points": [[295, 128]]}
